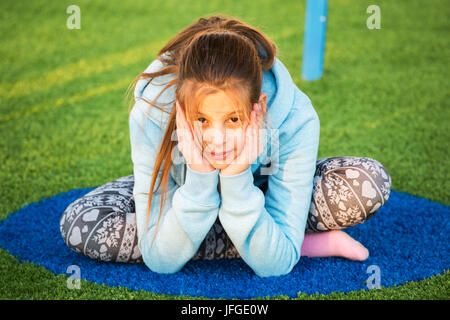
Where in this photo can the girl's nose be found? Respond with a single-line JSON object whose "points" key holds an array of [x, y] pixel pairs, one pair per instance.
{"points": [[216, 138], [216, 135]]}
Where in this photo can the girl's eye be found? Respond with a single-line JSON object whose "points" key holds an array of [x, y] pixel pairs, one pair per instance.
{"points": [[233, 120]]}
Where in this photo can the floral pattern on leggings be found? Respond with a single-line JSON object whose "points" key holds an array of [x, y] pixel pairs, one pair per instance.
{"points": [[346, 191], [102, 224]]}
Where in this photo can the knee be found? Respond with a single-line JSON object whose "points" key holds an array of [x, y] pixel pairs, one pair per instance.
{"points": [[112, 199], [361, 182], [374, 183], [70, 231], [105, 233]]}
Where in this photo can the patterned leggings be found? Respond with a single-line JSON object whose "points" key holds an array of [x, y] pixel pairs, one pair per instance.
{"points": [[102, 224]]}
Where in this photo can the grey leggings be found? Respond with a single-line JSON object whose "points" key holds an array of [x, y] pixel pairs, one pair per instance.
{"points": [[102, 224]]}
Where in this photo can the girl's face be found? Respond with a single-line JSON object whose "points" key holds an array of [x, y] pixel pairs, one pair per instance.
{"points": [[220, 128]]}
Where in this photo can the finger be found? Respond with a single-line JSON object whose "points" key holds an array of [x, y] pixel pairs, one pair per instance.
{"points": [[257, 117], [186, 127], [256, 141], [251, 124], [256, 110], [260, 115], [254, 154], [178, 122], [181, 128], [184, 118], [249, 143], [184, 134], [179, 117], [255, 120], [243, 154], [263, 107], [260, 142], [180, 114], [198, 142]]}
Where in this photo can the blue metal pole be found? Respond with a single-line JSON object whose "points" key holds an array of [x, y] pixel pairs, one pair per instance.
{"points": [[314, 41]]}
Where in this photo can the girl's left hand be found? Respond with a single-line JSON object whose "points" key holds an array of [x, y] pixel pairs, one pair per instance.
{"points": [[253, 145], [188, 144]]}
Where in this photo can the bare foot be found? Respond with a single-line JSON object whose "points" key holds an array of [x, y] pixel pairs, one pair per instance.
{"points": [[347, 247]]}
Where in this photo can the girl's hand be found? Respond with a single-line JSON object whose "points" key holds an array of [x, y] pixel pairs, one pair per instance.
{"points": [[189, 146], [253, 145]]}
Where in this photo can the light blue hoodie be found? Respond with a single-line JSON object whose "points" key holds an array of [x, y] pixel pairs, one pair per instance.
{"points": [[266, 229]]}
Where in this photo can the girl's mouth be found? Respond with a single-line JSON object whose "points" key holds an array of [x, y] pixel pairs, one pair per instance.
{"points": [[219, 156]]}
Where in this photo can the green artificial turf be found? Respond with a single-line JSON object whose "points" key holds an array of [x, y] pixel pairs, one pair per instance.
{"points": [[64, 119]]}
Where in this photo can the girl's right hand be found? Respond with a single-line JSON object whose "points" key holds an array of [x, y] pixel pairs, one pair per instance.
{"points": [[189, 146]]}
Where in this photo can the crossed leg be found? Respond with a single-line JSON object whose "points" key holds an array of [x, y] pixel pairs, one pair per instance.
{"points": [[346, 191]]}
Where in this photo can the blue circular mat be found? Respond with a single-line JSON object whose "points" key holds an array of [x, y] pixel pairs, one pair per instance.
{"points": [[408, 240]]}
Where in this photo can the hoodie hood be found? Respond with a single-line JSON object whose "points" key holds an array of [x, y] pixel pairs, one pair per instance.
{"points": [[277, 84]]}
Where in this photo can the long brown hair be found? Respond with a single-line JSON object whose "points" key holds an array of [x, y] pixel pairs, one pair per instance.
{"points": [[213, 54]]}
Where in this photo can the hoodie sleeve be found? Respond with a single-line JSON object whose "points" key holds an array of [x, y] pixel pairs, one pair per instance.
{"points": [[268, 230], [189, 211]]}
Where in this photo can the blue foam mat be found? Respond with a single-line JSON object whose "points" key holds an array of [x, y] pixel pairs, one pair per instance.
{"points": [[408, 240]]}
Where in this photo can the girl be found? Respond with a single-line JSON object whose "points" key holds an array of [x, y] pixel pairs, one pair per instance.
{"points": [[224, 147]]}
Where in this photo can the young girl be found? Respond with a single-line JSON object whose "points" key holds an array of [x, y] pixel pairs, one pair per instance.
{"points": [[224, 147]]}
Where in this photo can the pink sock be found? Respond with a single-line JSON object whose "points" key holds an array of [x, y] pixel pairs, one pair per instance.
{"points": [[334, 243]]}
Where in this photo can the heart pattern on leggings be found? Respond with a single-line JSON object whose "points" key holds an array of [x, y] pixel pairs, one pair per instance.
{"points": [[91, 215], [351, 174], [75, 236], [367, 190]]}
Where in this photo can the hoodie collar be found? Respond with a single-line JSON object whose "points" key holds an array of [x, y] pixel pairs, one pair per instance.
{"points": [[279, 102]]}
